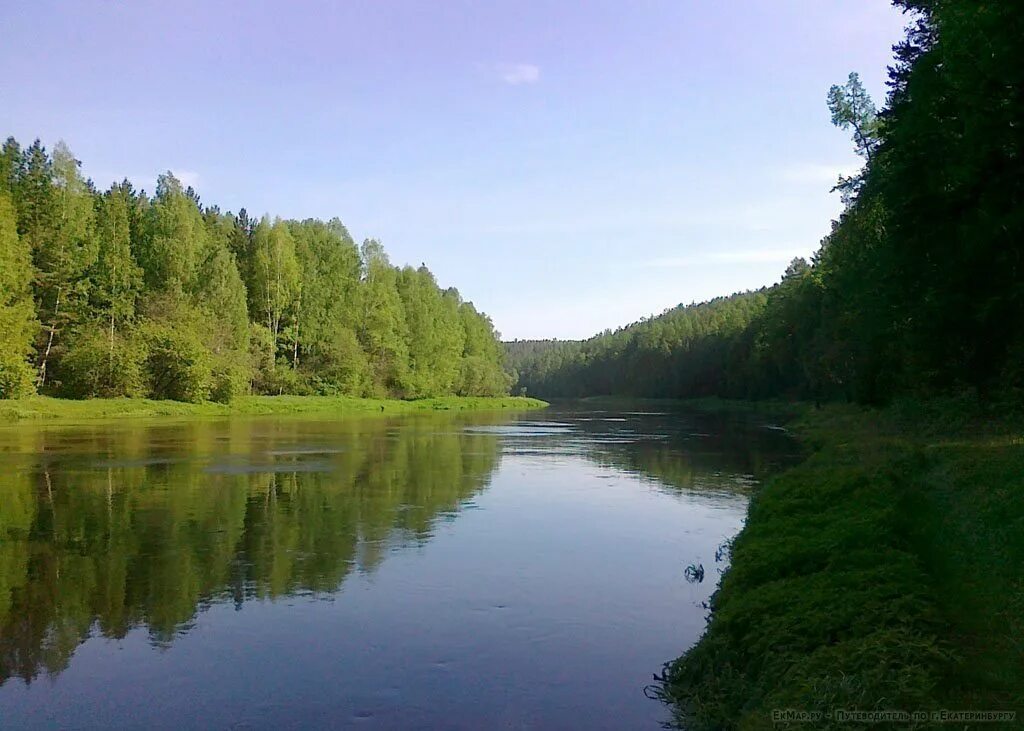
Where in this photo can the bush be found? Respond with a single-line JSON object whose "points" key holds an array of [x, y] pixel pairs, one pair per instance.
{"points": [[340, 368], [17, 377], [178, 365], [18, 326], [94, 366], [281, 380], [230, 380]]}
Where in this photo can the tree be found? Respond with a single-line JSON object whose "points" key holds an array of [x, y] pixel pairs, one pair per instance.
{"points": [[383, 330], [481, 372], [276, 286], [65, 249], [436, 336], [325, 319], [116, 277], [852, 108], [162, 297], [10, 166], [173, 241], [18, 323]]}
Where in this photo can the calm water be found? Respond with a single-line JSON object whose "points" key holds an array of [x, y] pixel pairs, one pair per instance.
{"points": [[494, 571]]}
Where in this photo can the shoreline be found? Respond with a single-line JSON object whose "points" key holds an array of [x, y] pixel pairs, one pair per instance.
{"points": [[44, 409], [881, 572]]}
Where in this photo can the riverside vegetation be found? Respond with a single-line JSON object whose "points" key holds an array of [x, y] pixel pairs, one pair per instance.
{"points": [[885, 571], [35, 408], [121, 294], [882, 573]]}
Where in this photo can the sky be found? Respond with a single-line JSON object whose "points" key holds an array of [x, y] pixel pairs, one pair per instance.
{"points": [[569, 166]]}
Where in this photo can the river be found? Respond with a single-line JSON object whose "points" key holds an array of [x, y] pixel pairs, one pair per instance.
{"points": [[520, 571]]}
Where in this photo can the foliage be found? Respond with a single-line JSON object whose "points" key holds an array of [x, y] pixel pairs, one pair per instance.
{"points": [[880, 573], [918, 290], [230, 380], [852, 108], [17, 378], [18, 324], [98, 366], [46, 408], [482, 373], [689, 351], [210, 304], [179, 366]]}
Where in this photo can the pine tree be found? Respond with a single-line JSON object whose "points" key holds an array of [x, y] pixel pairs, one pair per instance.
{"points": [[10, 166]]}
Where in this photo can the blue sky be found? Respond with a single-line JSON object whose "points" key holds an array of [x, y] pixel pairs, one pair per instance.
{"points": [[569, 166]]}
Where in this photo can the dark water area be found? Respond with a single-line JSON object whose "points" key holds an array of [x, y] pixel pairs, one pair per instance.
{"points": [[522, 571]]}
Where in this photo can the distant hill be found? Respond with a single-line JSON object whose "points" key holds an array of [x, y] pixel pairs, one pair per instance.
{"points": [[686, 351]]}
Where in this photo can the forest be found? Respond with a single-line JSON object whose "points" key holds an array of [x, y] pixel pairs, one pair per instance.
{"points": [[918, 289], [118, 293]]}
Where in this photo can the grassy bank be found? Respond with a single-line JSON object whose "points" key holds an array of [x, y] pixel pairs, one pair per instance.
{"points": [[886, 572], [41, 407]]}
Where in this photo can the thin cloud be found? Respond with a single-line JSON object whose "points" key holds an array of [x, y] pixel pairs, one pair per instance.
{"points": [[519, 73]]}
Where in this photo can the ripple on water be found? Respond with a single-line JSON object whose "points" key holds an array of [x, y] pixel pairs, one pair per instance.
{"points": [[521, 430], [302, 452], [278, 467]]}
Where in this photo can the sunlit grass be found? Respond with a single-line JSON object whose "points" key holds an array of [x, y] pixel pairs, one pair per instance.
{"points": [[886, 571], [41, 407]]}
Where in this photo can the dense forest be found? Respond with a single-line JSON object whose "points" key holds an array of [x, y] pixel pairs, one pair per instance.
{"points": [[918, 290], [117, 293]]}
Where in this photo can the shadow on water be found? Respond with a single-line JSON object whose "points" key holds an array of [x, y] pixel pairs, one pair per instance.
{"points": [[675, 448]]}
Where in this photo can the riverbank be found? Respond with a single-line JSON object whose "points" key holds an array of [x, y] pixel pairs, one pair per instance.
{"points": [[885, 572], [45, 408]]}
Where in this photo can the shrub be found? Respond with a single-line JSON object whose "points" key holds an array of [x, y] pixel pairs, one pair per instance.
{"points": [[17, 377], [341, 368], [18, 326], [94, 366], [178, 365], [230, 380], [283, 379]]}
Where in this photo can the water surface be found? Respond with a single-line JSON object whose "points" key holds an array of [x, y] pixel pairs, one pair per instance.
{"points": [[459, 572]]}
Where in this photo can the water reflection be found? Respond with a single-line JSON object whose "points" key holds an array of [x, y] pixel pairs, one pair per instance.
{"points": [[432, 571], [142, 525], [675, 449]]}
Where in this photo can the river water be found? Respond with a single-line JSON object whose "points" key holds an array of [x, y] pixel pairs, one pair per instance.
{"points": [[489, 571]]}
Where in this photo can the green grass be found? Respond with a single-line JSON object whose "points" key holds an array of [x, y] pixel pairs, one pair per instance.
{"points": [[44, 408], [884, 572]]}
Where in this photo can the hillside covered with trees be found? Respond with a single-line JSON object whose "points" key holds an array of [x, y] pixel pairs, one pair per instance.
{"points": [[918, 290], [118, 293]]}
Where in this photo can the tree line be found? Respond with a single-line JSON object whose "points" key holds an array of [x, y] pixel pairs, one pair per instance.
{"points": [[918, 290], [118, 293]]}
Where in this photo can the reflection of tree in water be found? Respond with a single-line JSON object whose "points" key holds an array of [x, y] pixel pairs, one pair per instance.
{"points": [[683, 449], [261, 509]]}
